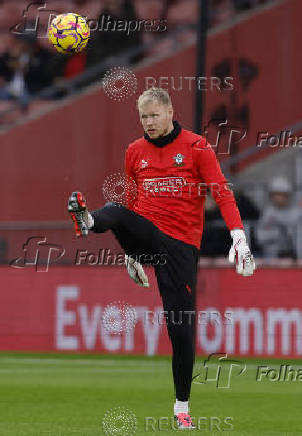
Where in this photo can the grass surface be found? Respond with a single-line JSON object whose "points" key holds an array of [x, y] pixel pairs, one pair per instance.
{"points": [[69, 395]]}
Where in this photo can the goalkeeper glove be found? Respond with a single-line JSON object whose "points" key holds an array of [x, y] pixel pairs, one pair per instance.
{"points": [[136, 272], [241, 253]]}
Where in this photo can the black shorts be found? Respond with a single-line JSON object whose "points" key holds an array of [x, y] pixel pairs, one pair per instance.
{"points": [[174, 261]]}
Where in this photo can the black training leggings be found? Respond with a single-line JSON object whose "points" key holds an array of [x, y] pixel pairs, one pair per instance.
{"points": [[175, 264]]}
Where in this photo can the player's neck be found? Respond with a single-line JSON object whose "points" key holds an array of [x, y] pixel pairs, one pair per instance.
{"points": [[169, 130], [167, 138]]}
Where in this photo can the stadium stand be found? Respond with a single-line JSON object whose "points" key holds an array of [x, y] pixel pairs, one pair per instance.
{"points": [[180, 15], [69, 75]]}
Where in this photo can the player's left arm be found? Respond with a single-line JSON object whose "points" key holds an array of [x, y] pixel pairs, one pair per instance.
{"points": [[210, 173]]}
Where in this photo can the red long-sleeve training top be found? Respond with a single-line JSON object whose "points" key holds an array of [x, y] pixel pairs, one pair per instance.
{"points": [[171, 185]]}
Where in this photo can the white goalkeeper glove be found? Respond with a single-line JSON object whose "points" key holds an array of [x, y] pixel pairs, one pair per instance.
{"points": [[241, 254], [136, 271]]}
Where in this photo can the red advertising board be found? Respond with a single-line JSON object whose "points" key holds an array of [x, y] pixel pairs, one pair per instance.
{"points": [[64, 310]]}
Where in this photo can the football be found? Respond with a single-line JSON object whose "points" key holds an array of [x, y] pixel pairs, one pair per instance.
{"points": [[69, 33]]}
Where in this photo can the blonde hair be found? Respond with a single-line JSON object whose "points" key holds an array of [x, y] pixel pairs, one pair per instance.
{"points": [[158, 94]]}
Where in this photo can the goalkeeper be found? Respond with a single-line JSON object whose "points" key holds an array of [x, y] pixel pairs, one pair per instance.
{"points": [[172, 168]]}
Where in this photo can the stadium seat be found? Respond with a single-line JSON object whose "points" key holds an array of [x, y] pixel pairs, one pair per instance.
{"points": [[36, 106], [151, 9], [160, 47], [11, 14], [183, 12], [5, 42], [220, 12], [90, 9]]}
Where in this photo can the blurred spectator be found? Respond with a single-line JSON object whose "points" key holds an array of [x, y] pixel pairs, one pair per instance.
{"points": [[248, 210], [111, 39], [278, 224], [220, 11], [3, 251], [62, 69], [243, 5], [75, 65], [23, 70], [216, 237]]}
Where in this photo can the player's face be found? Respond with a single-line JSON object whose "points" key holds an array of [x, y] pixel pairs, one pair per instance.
{"points": [[156, 118]]}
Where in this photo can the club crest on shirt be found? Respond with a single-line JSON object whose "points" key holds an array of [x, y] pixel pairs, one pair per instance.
{"points": [[179, 160], [144, 163]]}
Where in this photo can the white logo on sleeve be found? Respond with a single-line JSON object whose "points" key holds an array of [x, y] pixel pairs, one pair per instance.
{"points": [[144, 163]]}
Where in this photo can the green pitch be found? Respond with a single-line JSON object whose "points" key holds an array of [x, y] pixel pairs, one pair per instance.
{"points": [[63, 395]]}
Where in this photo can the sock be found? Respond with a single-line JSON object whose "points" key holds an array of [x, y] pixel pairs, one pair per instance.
{"points": [[90, 221], [181, 407]]}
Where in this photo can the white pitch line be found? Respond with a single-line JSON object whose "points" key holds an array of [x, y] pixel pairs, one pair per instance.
{"points": [[87, 371], [63, 361], [95, 363]]}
